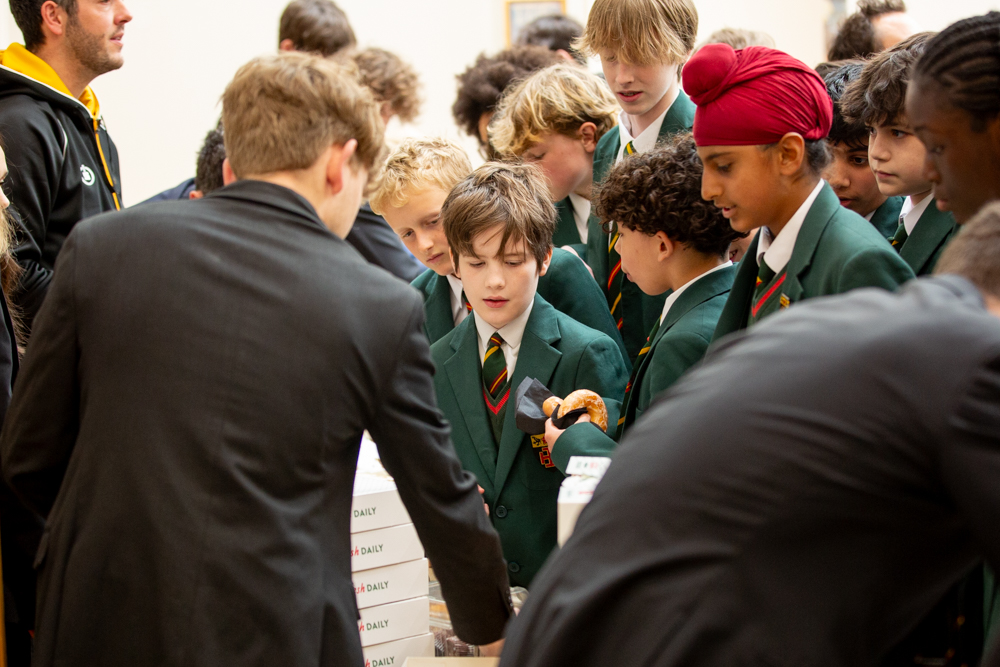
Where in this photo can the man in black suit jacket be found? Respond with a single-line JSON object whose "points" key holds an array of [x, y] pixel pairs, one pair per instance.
{"points": [[189, 414], [805, 497]]}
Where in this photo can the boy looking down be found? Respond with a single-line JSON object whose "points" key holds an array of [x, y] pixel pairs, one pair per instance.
{"points": [[499, 224]]}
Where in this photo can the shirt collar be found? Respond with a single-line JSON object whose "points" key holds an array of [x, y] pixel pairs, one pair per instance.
{"points": [[23, 61], [456, 286], [512, 333], [677, 292], [777, 250], [581, 213], [911, 213], [646, 139]]}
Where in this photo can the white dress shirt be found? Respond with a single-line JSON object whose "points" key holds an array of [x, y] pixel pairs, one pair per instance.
{"points": [[581, 214], [458, 310], [777, 250], [911, 213], [677, 292], [511, 334], [647, 138]]}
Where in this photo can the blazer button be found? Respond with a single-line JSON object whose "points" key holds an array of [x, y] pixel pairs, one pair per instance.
{"points": [[514, 567], [500, 511]]}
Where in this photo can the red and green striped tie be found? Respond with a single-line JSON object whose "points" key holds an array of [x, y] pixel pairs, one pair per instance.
{"points": [[615, 275], [767, 296], [495, 374]]}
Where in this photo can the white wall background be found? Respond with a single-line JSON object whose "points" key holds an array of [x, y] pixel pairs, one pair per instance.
{"points": [[181, 53]]}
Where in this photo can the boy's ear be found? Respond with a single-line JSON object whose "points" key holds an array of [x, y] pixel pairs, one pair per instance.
{"points": [[665, 248], [338, 158], [791, 154], [228, 175], [545, 263], [588, 136]]}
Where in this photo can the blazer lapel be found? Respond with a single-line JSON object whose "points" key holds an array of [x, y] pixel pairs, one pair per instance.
{"points": [[679, 118], [933, 229], [468, 388], [818, 217], [537, 358], [705, 288], [566, 231], [438, 310]]}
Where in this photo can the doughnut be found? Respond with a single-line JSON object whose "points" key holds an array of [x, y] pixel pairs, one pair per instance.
{"points": [[581, 398]]}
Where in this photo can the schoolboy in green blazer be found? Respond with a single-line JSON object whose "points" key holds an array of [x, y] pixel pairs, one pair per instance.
{"points": [[931, 232], [567, 233], [567, 286], [677, 243], [638, 311], [836, 250], [520, 487], [513, 333]]}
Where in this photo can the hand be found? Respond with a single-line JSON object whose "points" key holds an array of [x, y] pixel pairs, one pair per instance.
{"points": [[492, 650], [552, 433], [485, 506]]}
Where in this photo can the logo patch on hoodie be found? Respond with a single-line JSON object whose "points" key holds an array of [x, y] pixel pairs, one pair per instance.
{"points": [[88, 175]]}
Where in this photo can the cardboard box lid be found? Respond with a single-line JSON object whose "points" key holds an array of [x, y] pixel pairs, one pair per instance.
{"points": [[452, 662]]}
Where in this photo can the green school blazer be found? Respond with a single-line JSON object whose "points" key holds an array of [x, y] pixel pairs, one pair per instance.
{"points": [[639, 311], [520, 490], [836, 251], [931, 234], [566, 232], [886, 217], [567, 285], [680, 343]]}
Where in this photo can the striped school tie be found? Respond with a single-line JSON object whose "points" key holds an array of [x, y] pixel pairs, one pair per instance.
{"points": [[626, 407], [766, 293], [615, 275], [899, 238], [495, 373], [465, 300]]}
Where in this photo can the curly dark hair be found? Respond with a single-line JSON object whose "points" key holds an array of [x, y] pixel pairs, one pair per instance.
{"points": [[481, 85], [660, 191], [208, 175], [554, 32], [844, 131], [878, 95]]}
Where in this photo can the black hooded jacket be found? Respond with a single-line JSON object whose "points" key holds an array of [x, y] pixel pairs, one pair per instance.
{"points": [[63, 168]]}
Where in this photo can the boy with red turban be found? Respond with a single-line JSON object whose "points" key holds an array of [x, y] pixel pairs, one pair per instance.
{"points": [[760, 127]]}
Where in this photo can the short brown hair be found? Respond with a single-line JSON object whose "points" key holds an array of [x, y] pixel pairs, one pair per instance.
{"points": [[878, 95], [391, 79], [557, 99], [513, 196], [419, 163], [555, 32], [974, 253], [317, 26], [856, 37], [641, 31], [481, 85], [282, 111], [660, 191]]}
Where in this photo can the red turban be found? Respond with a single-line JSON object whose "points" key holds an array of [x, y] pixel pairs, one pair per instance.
{"points": [[754, 96]]}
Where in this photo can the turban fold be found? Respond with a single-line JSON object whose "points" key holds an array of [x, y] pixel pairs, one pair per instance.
{"points": [[754, 96]]}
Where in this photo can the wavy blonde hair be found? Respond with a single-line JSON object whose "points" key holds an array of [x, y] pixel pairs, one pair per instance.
{"points": [[419, 163], [558, 99], [641, 32]]}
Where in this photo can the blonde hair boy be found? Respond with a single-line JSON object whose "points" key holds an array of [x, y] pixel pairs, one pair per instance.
{"points": [[641, 32], [556, 100], [415, 165]]}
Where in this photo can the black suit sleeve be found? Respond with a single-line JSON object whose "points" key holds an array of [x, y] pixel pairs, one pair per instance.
{"points": [[42, 423], [442, 498], [34, 152]]}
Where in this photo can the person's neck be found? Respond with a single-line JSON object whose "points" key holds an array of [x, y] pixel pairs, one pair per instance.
{"points": [[639, 124], [313, 189], [798, 192], [691, 265], [917, 198], [71, 72], [881, 201], [586, 186]]}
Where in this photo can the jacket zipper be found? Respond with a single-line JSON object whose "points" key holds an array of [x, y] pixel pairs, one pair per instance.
{"points": [[104, 163]]}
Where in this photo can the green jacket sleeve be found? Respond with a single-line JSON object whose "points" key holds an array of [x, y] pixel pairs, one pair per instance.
{"points": [[875, 267], [581, 440]]}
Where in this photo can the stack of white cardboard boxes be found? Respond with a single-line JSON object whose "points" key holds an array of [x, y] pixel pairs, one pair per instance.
{"points": [[389, 570]]}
